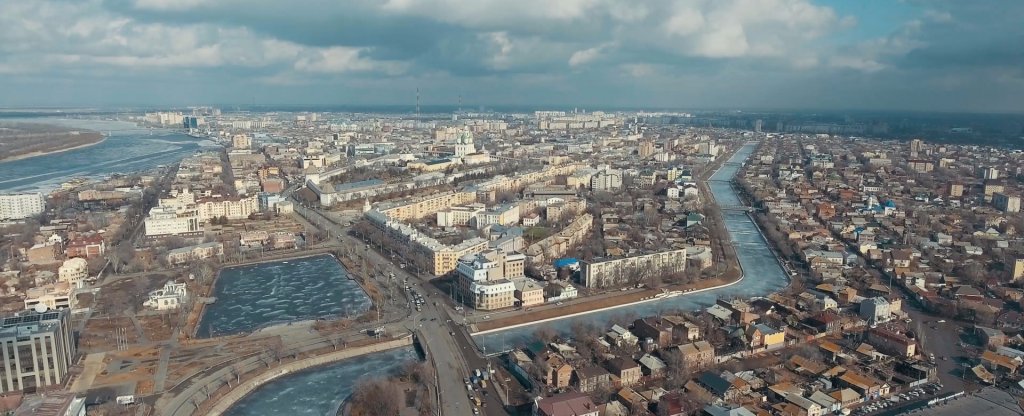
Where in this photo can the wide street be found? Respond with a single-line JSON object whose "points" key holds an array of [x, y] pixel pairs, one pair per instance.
{"points": [[445, 352]]}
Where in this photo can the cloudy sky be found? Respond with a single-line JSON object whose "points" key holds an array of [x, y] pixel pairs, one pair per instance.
{"points": [[948, 55]]}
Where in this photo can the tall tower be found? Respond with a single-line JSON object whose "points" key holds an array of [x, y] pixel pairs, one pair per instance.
{"points": [[417, 101]]}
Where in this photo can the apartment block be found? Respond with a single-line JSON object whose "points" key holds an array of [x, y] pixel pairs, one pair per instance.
{"points": [[165, 220], [614, 272], [1006, 203], [20, 206]]}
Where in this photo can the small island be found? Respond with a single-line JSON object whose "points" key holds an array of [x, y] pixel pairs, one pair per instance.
{"points": [[25, 140]]}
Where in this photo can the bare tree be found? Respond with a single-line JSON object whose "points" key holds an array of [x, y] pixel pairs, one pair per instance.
{"points": [[375, 398]]}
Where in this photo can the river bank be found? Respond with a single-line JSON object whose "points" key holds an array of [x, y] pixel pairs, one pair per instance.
{"points": [[94, 138], [584, 307]]}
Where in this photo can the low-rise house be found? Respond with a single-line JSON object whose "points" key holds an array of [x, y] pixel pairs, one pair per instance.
{"points": [[86, 246], [588, 379], [653, 328], [697, 355], [682, 330], [731, 410], [652, 366], [170, 296], [672, 404], [991, 337], [621, 336], [197, 252], [807, 406], [633, 401], [566, 404], [867, 387], [718, 386], [828, 403], [626, 370], [1000, 363], [846, 397], [762, 336], [528, 292], [892, 343]]}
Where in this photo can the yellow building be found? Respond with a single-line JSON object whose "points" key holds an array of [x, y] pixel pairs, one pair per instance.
{"points": [[417, 208], [528, 292]]}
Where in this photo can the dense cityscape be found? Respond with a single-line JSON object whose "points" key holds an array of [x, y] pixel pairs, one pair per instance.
{"points": [[531, 208], [888, 277]]}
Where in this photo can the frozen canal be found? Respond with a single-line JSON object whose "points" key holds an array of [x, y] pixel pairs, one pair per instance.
{"points": [[762, 273], [319, 391], [253, 296]]}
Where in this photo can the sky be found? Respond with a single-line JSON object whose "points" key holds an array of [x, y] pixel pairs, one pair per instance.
{"points": [[921, 55]]}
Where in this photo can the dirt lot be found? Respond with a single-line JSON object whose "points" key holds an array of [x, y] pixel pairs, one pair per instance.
{"points": [[159, 327], [281, 223], [98, 333]]}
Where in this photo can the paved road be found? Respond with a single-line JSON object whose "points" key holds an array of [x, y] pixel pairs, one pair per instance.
{"points": [[432, 322], [943, 340]]}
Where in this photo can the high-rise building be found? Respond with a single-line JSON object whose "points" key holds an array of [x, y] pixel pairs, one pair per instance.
{"points": [[758, 124], [37, 350], [20, 206], [1018, 269], [916, 146], [990, 173], [606, 180], [956, 190], [1006, 203], [645, 148]]}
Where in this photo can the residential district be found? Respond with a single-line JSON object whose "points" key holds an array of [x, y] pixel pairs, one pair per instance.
{"points": [[903, 261]]}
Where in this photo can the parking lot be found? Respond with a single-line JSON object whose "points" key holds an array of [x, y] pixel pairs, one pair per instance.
{"points": [[898, 403]]}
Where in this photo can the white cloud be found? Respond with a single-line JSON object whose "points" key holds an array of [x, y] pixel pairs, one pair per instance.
{"points": [[585, 56], [340, 59]]}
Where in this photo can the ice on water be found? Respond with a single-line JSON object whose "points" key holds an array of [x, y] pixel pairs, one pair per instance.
{"points": [[249, 297], [321, 390]]}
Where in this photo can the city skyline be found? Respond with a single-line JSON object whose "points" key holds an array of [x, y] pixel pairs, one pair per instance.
{"points": [[780, 54]]}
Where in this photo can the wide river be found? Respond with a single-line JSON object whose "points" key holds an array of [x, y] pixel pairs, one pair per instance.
{"points": [[127, 149], [762, 276]]}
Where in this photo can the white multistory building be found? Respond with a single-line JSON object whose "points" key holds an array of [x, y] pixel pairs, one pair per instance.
{"points": [[632, 270], [20, 206], [166, 220], [74, 272], [606, 180]]}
